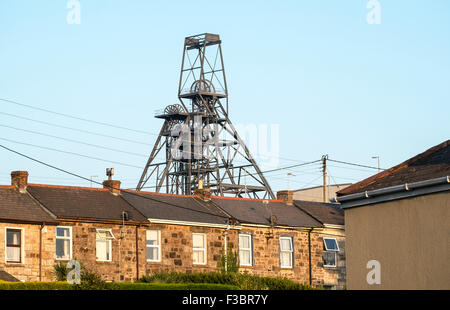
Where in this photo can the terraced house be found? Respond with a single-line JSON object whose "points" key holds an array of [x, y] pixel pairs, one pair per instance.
{"points": [[123, 235]]}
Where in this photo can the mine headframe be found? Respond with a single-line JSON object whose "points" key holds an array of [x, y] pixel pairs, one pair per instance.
{"points": [[197, 142]]}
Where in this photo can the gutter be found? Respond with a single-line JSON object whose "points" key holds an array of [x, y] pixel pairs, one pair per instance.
{"points": [[395, 192], [184, 223]]}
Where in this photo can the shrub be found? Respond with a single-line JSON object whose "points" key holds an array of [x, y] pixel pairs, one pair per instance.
{"points": [[60, 271], [242, 281], [231, 261], [89, 279]]}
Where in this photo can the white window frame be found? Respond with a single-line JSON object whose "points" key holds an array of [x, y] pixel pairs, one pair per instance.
{"points": [[332, 251], [199, 249], [64, 238], [22, 245], [291, 240], [109, 243], [249, 249], [325, 244], [158, 246]]}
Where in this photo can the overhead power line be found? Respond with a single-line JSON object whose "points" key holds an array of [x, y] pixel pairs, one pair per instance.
{"points": [[353, 164], [73, 141], [109, 187], [75, 129], [71, 153], [293, 166], [77, 118], [267, 171]]}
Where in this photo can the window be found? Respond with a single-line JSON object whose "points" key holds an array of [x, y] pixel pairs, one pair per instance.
{"points": [[13, 245], [329, 255], [153, 244], [103, 245], [199, 248], [286, 252], [63, 243], [245, 250]]}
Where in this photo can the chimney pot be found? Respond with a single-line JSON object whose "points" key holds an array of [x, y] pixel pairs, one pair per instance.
{"points": [[287, 196], [19, 179]]}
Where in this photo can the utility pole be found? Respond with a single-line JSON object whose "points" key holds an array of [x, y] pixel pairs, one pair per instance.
{"points": [[324, 170]]}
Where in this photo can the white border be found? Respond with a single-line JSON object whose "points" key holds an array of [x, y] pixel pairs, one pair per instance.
{"points": [[325, 244]]}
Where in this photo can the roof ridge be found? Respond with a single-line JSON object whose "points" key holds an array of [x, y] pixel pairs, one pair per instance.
{"points": [[212, 196], [381, 175], [68, 187], [155, 193], [246, 199]]}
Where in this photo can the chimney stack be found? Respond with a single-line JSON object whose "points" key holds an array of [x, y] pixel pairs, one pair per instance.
{"points": [[287, 196], [19, 179], [112, 185], [203, 193]]}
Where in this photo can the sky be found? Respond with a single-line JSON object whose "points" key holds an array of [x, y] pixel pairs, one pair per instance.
{"points": [[332, 82]]}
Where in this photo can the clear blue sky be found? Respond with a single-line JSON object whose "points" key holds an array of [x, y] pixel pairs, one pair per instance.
{"points": [[335, 84]]}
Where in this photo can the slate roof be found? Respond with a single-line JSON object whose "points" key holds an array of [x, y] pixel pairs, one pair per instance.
{"points": [[326, 213], [83, 203], [252, 211], [21, 207], [174, 207], [5, 276], [431, 164]]}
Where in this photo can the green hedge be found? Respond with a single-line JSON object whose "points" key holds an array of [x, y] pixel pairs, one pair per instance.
{"points": [[112, 286], [35, 285], [242, 281], [172, 286]]}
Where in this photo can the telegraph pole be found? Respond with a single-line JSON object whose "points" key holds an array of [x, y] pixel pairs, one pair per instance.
{"points": [[324, 170]]}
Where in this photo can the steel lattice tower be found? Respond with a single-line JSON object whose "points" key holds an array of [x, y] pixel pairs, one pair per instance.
{"points": [[200, 143]]}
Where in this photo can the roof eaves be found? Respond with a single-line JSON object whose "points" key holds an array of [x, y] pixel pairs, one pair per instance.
{"points": [[395, 192], [370, 180]]}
